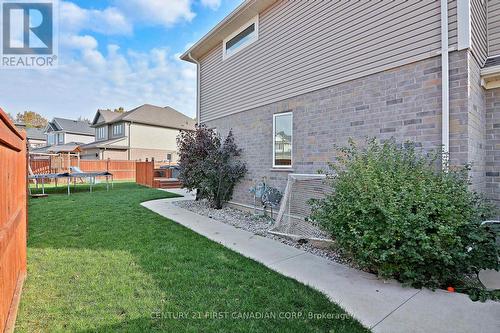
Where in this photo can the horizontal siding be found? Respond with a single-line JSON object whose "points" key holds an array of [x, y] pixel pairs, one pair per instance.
{"points": [[308, 45], [494, 28], [479, 37]]}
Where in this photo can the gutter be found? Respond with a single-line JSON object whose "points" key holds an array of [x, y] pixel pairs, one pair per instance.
{"points": [[445, 82], [198, 100]]}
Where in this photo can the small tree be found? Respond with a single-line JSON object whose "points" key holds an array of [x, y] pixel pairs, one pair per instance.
{"points": [[209, 164]]}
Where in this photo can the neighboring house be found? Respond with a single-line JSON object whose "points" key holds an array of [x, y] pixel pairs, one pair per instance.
{"points": [[62, 131], [319, 72], [147, 131], [36, 136]]}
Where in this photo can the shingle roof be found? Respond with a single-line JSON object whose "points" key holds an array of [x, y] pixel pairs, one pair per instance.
{"points": [[107, 115], [104, 144], [35, 133], [154, 115], [72, 126], [65, 148]]}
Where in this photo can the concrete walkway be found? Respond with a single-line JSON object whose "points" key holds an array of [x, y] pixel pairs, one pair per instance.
{"points": [[381, 306]]}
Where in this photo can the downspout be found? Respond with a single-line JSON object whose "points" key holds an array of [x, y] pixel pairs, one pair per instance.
{"points": [[198, 100], [445, 81]]}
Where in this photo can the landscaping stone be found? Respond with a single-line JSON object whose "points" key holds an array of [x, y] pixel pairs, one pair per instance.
{"points": [[258, 225]]}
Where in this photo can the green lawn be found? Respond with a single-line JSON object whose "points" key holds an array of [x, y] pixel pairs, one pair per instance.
{"points": [[102, 263]]}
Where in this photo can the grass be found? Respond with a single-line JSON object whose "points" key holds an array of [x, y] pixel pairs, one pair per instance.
{"points": [[100, 262]]}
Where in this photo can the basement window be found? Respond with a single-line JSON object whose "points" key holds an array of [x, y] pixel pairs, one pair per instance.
{"points": [[241, 38]]}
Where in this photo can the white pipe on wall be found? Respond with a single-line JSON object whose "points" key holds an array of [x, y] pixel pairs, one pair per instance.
{"points": [[445, 95]]}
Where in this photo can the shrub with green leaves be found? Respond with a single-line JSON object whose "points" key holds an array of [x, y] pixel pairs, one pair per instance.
{"points": [[399, 215]]}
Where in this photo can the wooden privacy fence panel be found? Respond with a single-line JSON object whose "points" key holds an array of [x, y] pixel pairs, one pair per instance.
{"points": [[40, 166], [144, 173], [13, 219], [121, 170]]}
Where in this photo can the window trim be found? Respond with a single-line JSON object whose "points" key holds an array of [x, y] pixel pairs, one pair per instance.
{"points": [[254, 20], [273, 136]]}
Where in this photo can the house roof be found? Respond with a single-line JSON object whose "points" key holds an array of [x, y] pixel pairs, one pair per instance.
{"points": [[243, 13], [35, 133], [149, 115], [70, 126], [104, 144], [70, 147], [107, 115]]}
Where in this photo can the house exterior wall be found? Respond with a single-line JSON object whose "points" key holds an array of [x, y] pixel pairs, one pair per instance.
{"points": [[494, 27], [479, 38], [492, 98], [71, 137], [152, 137], [287, 61], [159, 155], [404, 103], [114, 154]]}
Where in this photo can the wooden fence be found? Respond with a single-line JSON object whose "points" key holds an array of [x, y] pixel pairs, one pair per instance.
{"points": [[121, 170], [144, 173], [13, 220], [148, 175]]}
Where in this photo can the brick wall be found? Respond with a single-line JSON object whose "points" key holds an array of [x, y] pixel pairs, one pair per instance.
{"points": [[404, 103], [492, 173]]}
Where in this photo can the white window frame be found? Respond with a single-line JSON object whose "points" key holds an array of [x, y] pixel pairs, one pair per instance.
{"points": [[254, 20], [274, 141], [60, 138]]}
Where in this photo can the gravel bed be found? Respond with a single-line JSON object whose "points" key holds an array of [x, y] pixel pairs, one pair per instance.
{"points": [[257, 225]]}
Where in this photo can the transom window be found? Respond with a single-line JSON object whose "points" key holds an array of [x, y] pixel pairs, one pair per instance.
{"points": [[282, 140], [117, 129], [241, 38]]}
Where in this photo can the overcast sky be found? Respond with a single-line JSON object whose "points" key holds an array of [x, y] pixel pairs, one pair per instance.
{"points": [[116, 53]]}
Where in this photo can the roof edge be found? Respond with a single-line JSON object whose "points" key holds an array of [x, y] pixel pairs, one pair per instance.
{"points": [[231, 22]]}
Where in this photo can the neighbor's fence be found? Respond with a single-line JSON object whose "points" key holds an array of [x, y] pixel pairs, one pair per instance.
{"points": [[13, 219], [121, 170]]}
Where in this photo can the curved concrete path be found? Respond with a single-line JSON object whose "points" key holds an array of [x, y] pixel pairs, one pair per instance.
{"points": [[383, 306]]}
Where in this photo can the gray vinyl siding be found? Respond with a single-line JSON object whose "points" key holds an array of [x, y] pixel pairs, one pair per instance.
{"points": [[494, 27], [479, 37], [308, 45]]}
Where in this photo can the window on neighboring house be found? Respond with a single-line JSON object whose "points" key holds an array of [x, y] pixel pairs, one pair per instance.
{"points": [[101, 133], [60, 138], [241, 38], [282, 140], [50, 139], [117, 129]]}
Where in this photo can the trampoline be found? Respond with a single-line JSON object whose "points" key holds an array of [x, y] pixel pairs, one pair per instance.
{"points": [[73, 175]]}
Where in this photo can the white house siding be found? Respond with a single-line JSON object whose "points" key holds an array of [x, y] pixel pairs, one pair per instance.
{"points": [[308, 45], [494, 27]]}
